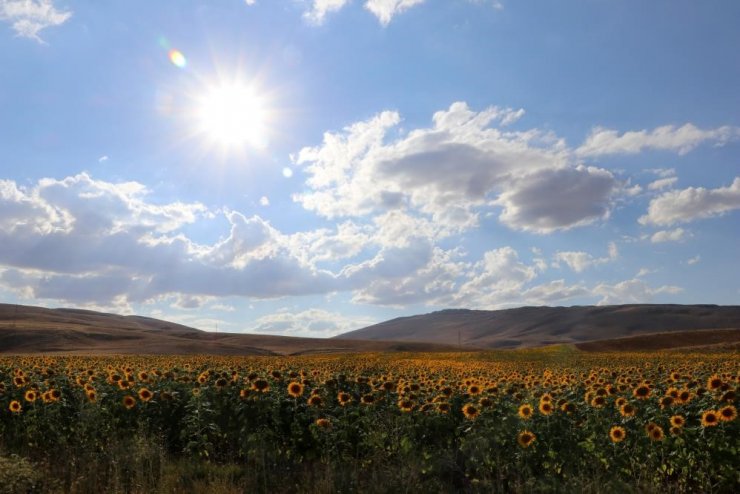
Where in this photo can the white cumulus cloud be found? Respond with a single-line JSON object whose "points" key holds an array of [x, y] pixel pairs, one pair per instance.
{"points": [[683, 206], [465, 163], [385, 10], [579, 261], [321, 8]]}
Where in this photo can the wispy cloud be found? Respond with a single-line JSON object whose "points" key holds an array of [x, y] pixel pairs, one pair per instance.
{"points": [[675, 235], [29, 17], [681, 140]]}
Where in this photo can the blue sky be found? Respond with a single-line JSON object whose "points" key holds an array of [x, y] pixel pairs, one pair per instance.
{"points": [[312, 167]]}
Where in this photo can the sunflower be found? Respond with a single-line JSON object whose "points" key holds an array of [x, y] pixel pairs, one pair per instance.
{"points": [[405, 405], [627, 410], [656, 433], [678, 421], [261, 385], [315, 401], [323, 423], [617, 434], [641, 392], [727, 413], [474, 389], [598, 402], [525, 439], [485, 402], [525, 411], [344, 398], [675, 431], [709, 418], [129, 401], [367, 399], [443, 407], [470, 412], [92, 395], [568, 408], [55, 394], [545, 407], [714, 382], [295, 389], [221, 382], [244, 393], [31, 396], [620, 401], [684, 396], [15, 406], [729, 396], [145, 394]]}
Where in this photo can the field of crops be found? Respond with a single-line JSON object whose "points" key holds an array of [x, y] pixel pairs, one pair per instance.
{"points": [[544, 420]]}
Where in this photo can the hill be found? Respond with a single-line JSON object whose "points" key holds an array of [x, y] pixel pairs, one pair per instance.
{"points": [[537, 326], [25, 329]]}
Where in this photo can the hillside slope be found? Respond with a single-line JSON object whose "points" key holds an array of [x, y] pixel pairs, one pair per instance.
{"points": [[535, 326], [25, 329]]}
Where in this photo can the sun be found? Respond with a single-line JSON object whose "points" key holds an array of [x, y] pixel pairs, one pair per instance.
{"points": [[233, 115]]}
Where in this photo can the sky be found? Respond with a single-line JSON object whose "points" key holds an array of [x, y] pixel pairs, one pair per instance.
{"points": [[310, 167]]}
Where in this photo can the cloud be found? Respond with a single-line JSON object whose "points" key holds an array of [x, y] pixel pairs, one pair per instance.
{"points": [[560, 199], [384, 10], [683, 206], [663, 183], [29, 17], [433, 282], [315, 323], [662, 172], [634, 291], [681, 140], [88, 241], [579, 261], [465, 163], [264, 201], [321, 8], [694, 260], [675, 235]]}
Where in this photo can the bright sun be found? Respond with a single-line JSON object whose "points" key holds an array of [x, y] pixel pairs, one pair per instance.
{"points": [[233, 115]]}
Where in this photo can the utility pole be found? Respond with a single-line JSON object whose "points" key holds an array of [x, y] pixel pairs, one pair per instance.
{"points": [[15, 317], [459, 339]]}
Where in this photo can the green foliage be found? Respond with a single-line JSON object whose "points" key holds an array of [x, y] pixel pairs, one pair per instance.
{"points": [[202, 424]]}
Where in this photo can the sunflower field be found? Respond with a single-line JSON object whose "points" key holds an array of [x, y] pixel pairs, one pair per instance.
{"points": [[548, 420]]}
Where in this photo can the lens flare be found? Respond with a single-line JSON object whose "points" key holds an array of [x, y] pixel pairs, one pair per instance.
{"points": [[177, 58]]}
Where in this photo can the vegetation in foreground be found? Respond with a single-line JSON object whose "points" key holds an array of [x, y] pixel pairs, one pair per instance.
{"points": [[540, 420]]}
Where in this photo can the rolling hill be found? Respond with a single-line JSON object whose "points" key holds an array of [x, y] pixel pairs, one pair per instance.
{"points": [[537, 326], [25, 329]]}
